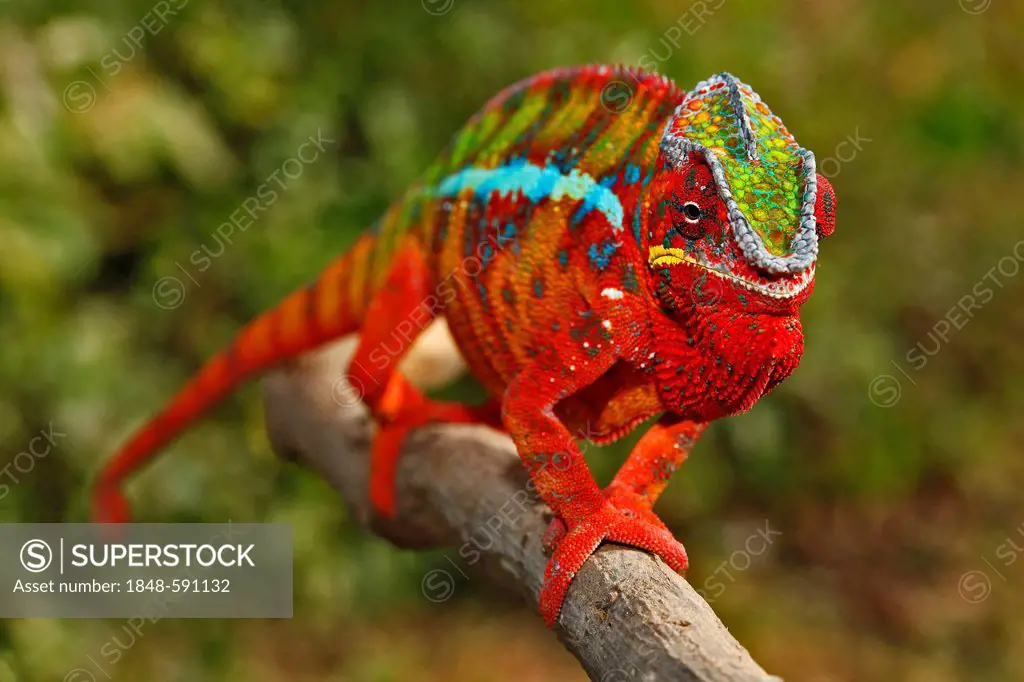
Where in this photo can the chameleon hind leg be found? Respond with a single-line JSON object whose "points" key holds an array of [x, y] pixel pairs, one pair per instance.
{"points": [[401, 309], [645, 473]]}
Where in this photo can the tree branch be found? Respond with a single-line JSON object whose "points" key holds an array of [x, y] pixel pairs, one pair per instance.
{"points": [[627, 616]]}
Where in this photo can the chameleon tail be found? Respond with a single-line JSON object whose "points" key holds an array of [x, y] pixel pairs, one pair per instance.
{"points": [[330, 308]]}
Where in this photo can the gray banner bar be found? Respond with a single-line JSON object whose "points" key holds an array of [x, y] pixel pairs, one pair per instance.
{"points": [[146, 570]]}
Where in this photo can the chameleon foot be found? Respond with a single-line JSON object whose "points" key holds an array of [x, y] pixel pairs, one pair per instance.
{"points": [[626, 501], [580, 541]]}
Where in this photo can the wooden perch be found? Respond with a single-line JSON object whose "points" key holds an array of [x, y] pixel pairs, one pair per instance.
{"points": [[627, 616]]}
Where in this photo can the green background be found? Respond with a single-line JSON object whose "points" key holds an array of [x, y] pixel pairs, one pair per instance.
{"points": [[890, 463]]}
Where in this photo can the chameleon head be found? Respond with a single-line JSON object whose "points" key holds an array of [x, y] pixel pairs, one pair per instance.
{"points": [[736, 207]]}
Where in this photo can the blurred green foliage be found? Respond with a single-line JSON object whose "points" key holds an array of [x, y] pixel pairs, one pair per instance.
{"points": [[130, 130]]}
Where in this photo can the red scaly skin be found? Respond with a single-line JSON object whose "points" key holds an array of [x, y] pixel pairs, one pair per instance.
{"points": [[591, 277]]}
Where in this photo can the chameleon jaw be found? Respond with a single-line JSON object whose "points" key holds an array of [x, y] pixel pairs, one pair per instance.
{"points": [[662, 256]]}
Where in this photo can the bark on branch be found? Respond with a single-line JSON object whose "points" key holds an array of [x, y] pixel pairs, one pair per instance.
{"points": [[627, 616]]}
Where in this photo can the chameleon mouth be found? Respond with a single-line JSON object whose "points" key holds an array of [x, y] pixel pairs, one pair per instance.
{"points": [[660, 255], [788, 287]]}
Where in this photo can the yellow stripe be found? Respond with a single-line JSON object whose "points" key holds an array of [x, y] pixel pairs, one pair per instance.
{"points": [[660, 255]]}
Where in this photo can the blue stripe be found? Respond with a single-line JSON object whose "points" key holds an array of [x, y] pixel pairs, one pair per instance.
{"points": [[537, 183]]}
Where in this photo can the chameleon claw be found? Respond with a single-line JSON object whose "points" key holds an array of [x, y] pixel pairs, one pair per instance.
{"points": [[556, 530], [629, 503], [579, 542]]}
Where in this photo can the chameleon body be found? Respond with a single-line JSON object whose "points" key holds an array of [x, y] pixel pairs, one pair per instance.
{"points": [[597, 266]]}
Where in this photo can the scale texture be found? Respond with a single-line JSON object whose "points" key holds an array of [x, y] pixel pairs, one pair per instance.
{"points": [[605, 248]]}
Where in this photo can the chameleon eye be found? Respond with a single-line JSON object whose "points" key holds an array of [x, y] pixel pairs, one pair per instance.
{"points": [[691, 212], [685, 218]]}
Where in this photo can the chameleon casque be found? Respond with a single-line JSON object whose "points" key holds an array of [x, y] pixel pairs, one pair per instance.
{"points": [[596, 267]]}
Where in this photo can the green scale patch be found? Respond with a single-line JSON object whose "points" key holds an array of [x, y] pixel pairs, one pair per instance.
{"points": [[761, 160]]}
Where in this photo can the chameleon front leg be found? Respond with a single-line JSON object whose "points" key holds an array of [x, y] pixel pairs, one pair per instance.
{"points": [[561, 477], [653, 460], [645, 473]]}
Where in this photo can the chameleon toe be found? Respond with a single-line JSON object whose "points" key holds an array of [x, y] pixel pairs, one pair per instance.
{"points": [[583, 539]]}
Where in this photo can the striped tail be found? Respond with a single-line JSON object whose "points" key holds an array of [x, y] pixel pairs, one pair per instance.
{"points": [[328, 309]]}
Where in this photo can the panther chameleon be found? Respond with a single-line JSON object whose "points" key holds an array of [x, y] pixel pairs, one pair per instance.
{"points": [[597, 265]]}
